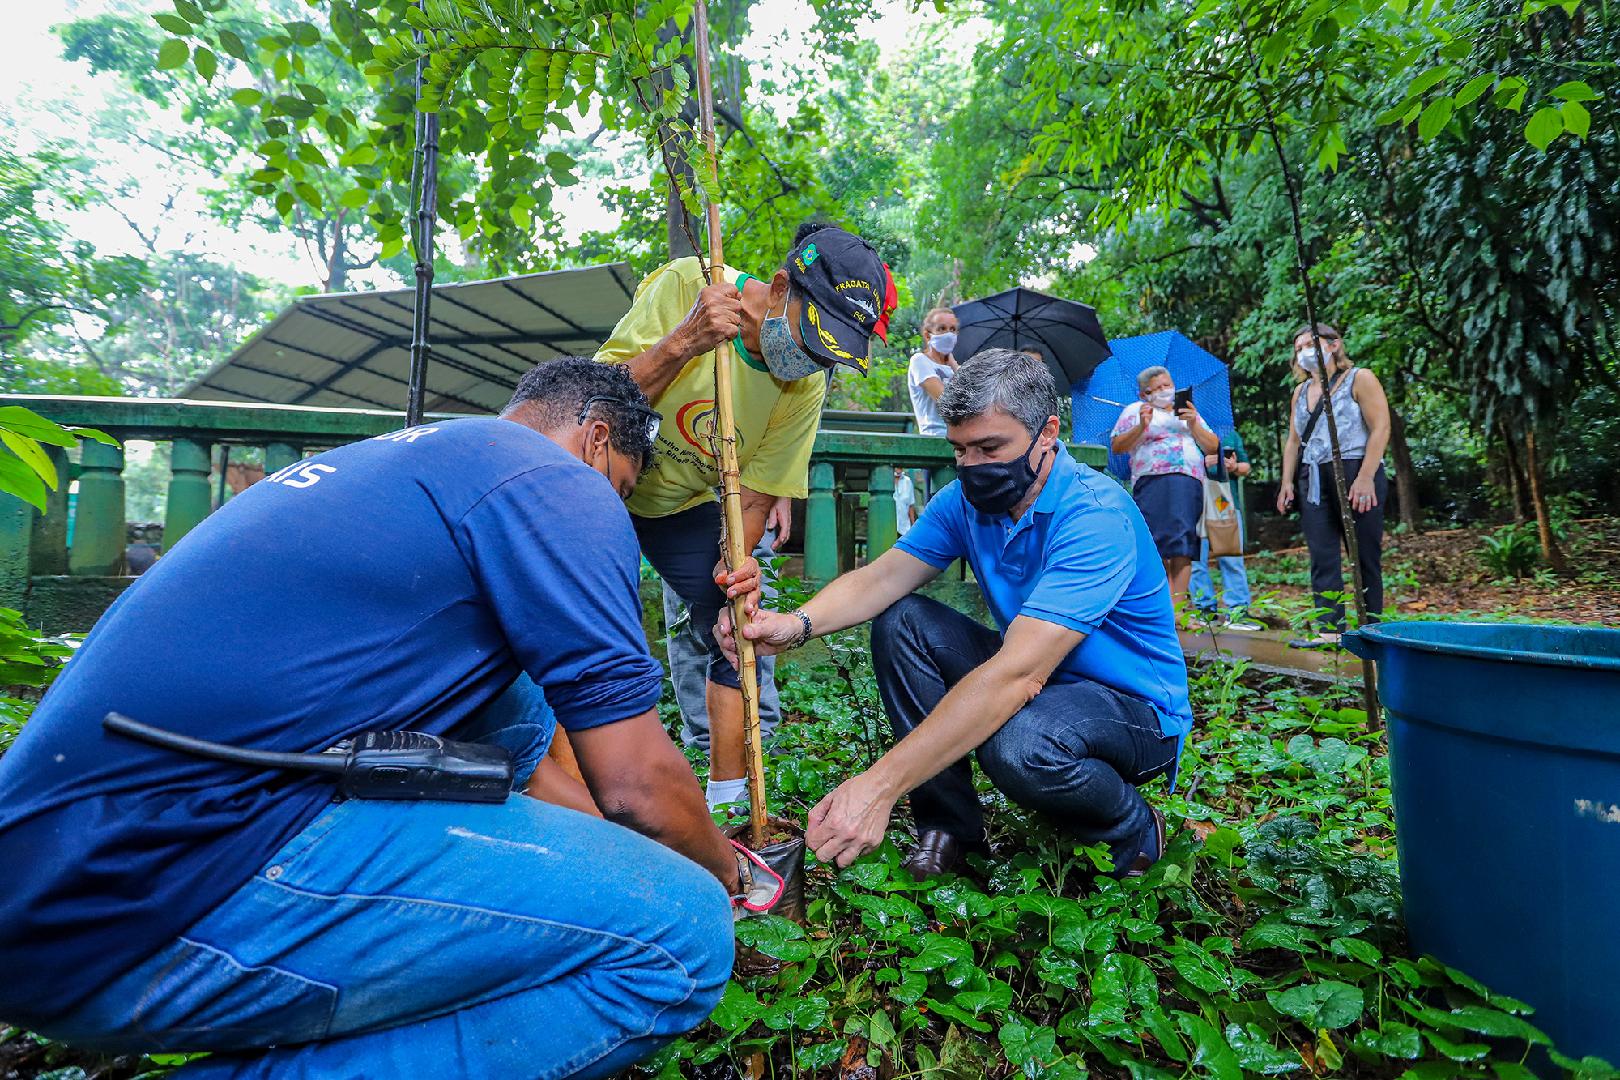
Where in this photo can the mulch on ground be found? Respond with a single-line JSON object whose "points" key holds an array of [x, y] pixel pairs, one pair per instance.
{"points": [[1442, 573]]}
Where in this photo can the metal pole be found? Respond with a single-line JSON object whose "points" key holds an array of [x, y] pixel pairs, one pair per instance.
{"points": [[424, 170], [730, 472]]}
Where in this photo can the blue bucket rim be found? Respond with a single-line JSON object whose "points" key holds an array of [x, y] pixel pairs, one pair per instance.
{"points": [[1379, 632]]}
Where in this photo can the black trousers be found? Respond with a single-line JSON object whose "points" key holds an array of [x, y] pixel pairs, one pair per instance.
{"points": [[684, 548], [1324, 535], [1075, 753]]}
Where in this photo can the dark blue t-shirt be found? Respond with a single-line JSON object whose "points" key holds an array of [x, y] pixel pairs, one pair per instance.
{"points": [[397, 583]]}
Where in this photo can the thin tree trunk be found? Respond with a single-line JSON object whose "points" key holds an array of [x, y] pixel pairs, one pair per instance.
{"points": [[1369, 684], [1518, 486], [675, 221], [1550, 551], [1405, 473]]}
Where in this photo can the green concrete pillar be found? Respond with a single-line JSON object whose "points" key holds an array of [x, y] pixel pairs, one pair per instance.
{"points": [[881, 531], [189, 497], [821, 525], [279, 455], [48, 553], [98, 527], [850, 511], [16, 527]]}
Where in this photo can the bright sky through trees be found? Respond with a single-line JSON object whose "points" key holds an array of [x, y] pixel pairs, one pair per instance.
{"points": [[46, 99]]}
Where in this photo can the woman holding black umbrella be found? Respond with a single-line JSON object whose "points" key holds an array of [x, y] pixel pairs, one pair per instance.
{"points": [[1167, 445]]}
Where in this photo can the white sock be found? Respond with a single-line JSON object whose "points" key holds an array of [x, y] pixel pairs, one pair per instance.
{"points": [[724, 792]]}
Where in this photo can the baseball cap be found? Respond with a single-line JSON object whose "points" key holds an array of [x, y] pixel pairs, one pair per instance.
{"points": [[848, 295]]}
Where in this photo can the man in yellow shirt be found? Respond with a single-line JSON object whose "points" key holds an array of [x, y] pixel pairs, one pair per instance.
{"points": [[787, 333]]}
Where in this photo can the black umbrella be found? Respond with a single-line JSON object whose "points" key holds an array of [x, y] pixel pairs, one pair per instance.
{"points": [[1066, 332]]}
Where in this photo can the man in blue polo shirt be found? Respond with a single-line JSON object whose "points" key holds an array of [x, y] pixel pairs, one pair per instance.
{"points": [[435, 579], [1081, 697]]}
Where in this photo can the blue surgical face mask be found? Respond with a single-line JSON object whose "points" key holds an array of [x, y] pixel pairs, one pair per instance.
{"points": [[782, 354]]}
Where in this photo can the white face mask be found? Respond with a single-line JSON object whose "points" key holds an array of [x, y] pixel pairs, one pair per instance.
{"points": [[943, 343], [1161, 399], [1309, 359]]}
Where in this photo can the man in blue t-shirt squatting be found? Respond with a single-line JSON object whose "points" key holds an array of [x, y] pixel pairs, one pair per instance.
{"points": [[1078, 699], [436, 579]]}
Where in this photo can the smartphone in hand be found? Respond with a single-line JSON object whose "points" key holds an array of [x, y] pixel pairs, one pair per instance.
{"points": [[1183, 399]]}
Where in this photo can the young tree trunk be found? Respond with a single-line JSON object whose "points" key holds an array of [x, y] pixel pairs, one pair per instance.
{"points": [[1518, 486], [676, 224], [1302, 259], [1405, 473], [1550, 551]]}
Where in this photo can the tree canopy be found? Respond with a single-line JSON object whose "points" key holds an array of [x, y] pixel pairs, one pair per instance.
{"points": [[1453, 166]]}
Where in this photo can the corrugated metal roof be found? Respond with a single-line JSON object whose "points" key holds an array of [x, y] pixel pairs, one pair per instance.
{"points": [[352, 350]]}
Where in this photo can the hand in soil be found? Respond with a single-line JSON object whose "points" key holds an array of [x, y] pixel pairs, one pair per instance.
{"points": [[849, 822]]}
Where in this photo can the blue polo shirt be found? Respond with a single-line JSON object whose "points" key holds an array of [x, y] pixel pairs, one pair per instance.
{"points": [[1081, 557], [398, 583]]}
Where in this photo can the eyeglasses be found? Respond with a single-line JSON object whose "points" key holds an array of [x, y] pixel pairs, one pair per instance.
{"points": [[648, 416]]}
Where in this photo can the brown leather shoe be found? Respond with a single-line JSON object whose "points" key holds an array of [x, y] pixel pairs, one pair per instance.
{"points": [[937, 852], [1143, 861]]}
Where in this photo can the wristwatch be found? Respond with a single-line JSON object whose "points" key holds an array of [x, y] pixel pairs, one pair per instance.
{"points": [[807, 633]]}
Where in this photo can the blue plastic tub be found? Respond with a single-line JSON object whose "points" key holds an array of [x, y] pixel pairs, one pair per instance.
{"points": [[1504, 745]]}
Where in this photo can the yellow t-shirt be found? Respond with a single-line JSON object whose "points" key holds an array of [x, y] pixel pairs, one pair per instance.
{"points": [[776, 421]]}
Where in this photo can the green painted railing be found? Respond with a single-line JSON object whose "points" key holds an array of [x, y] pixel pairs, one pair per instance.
{"points": [[850, 511]]}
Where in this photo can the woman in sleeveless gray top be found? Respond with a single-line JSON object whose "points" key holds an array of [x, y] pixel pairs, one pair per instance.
{"points": [[1361, 413]]}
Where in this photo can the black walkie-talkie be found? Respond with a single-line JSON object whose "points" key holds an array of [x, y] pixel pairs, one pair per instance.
{"points": [[406, 765]]}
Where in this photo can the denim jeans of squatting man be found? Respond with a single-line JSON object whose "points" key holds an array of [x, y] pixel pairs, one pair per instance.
{"points": [[1076, 753], [431, 939]]}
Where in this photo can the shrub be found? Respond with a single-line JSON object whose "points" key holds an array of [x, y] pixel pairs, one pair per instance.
{"points": [[1512, 551]]}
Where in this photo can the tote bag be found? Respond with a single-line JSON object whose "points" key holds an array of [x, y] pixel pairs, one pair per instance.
{"points": [[1220, 524]]}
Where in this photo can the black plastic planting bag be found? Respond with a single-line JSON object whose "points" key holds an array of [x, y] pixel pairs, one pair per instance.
{"points": [[786, 859]]}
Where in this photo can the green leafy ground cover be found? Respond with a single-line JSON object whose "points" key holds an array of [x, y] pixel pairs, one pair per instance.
{"points": [[1267, 943]]}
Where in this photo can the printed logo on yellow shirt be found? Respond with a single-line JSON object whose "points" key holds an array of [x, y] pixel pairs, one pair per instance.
{"points": [[695, 421]]}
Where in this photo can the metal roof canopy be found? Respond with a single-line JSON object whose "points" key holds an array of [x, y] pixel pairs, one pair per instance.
{"points": [[352, 350]]}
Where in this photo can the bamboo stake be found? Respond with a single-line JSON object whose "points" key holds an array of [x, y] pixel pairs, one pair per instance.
{"points": [[726, 427]]}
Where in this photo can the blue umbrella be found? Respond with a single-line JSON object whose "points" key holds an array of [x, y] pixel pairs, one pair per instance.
{"points": [[1112, 386]]}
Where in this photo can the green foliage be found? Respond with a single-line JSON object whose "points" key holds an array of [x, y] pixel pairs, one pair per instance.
{"points": [[46, 276], [278, 121], [1267, 942], [188, 315], [1513, 551], [508, 84], [26, 470], [28, 662]]}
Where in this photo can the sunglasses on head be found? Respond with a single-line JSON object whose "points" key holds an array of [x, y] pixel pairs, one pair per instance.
{"points": [[648, 416]]}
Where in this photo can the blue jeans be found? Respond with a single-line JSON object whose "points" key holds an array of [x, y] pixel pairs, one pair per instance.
{"points": [[434, 939], [1075, 753], [1234, 581]]}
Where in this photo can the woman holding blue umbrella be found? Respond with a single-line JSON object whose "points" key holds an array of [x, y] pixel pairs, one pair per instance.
{"points": [[1167, 443]]}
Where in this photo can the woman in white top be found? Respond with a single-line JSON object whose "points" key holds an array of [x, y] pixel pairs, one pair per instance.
{"points": [[1361, 412], [932, 368]]}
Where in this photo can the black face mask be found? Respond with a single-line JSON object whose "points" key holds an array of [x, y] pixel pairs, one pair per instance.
{"points": [[995, 487]]}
